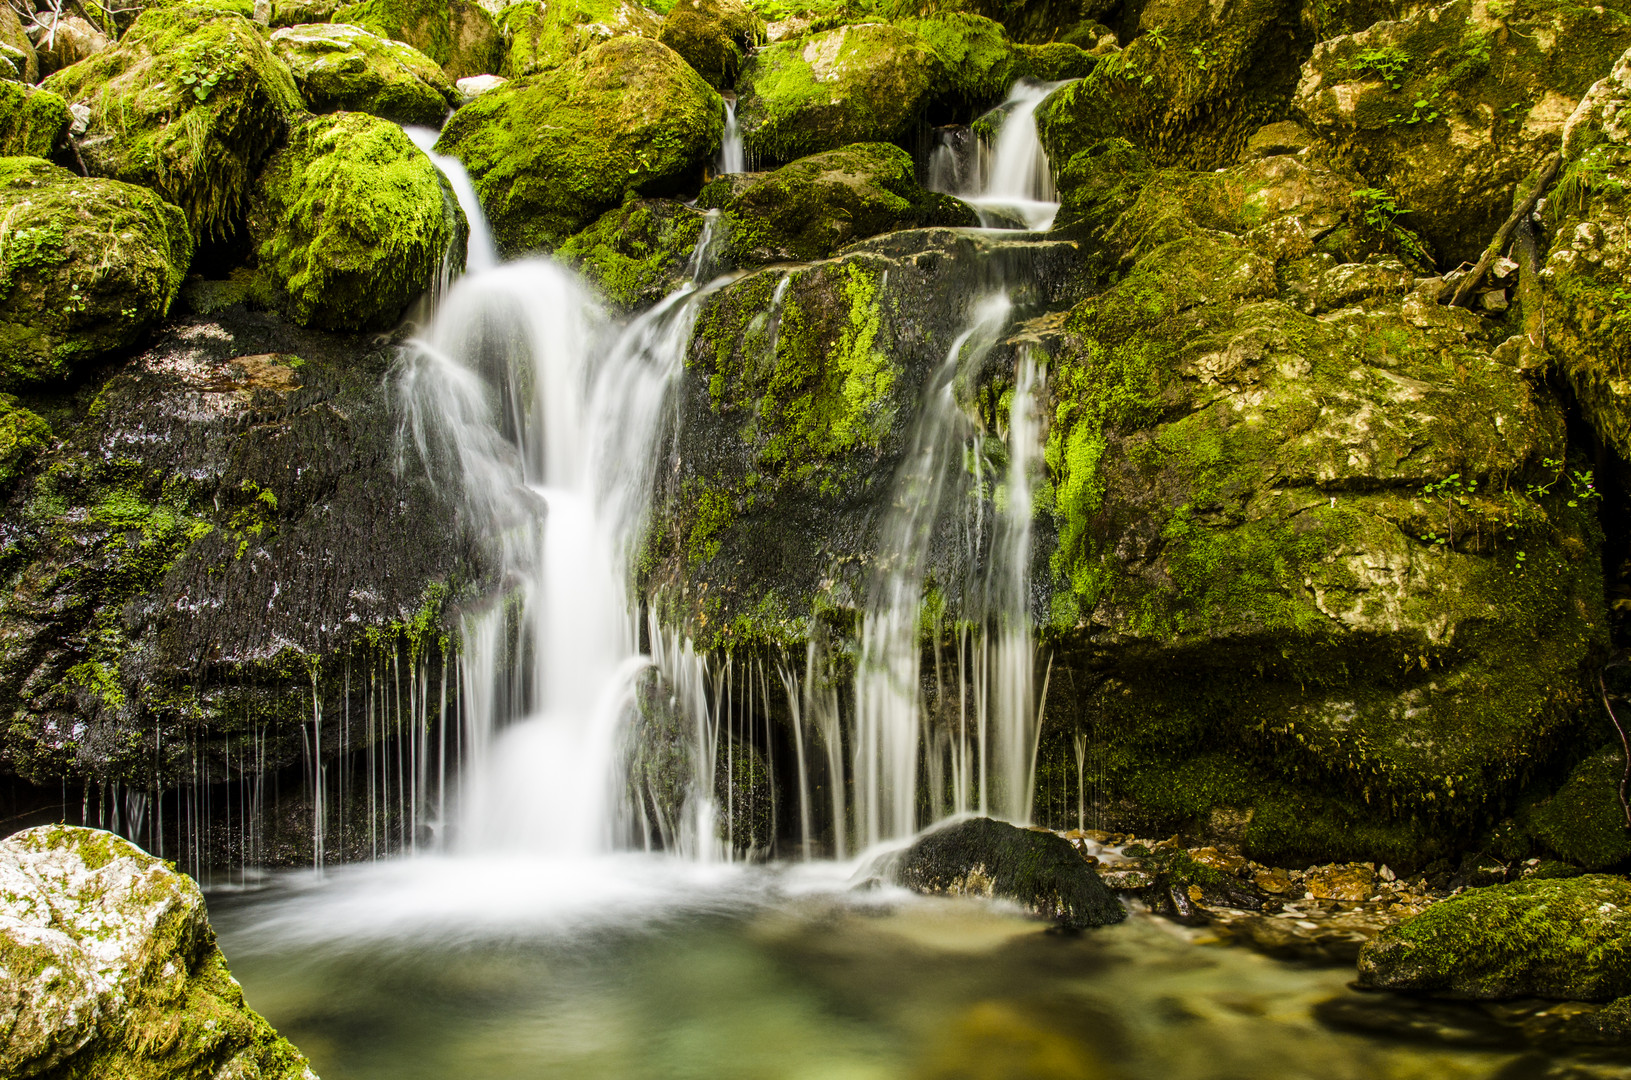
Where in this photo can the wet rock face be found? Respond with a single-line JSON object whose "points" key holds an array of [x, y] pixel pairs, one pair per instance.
{"points": [[993, 859], [223, 520], [90, 265], [1566, 939], [551, 154], [1452, 107], [338, 66], [111, 969]]}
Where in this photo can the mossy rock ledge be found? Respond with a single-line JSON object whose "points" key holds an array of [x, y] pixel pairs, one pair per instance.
{"points": [[550, 153], [1036, 869], [352, 222], [111, 969], [339, 66], [542, 37], [190, 103], [87, 266], [1568, 939]]}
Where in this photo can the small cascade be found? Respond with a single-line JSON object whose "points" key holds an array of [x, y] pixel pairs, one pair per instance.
{"points": [[1013, 187], [732, 157], [480, 252]]}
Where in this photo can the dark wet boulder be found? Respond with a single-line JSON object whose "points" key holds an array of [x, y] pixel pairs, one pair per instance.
{"points": [[89, 266], [866, 83], [550, 154], [113, 970], [1566, 939], [1033, 868], [542, 36], [339, 66], [639, 252], [189, 103], [33, 122], [816, 205], [714, 36], [1583, 822]]}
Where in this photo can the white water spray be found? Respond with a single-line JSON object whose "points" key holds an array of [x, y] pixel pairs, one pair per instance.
{"points": [[1009, 183], [732, 156]]}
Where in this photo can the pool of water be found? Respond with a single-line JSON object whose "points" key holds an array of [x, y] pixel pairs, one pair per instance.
{"points": [[648, 969]]}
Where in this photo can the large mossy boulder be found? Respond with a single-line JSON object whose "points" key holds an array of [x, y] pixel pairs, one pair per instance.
{"points": [[542, 36], [979, 61], [809, 209], [865, 83], [639, 252], [352, 222], [32, 121], [714, 36], [1449, 109], [1036, 869], [458, 34], [1588, 268], [189, 103], [551, 153], [1584, 822], [339, 66], [1189, 90], [1031, 21], [22, 436], [86, 267], [112, 969], [13, 35], [1568, 939]]}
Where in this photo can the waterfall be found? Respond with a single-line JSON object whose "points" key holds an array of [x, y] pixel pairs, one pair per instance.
{"points": [[732, 158], [1012, 185], [481, 253]]}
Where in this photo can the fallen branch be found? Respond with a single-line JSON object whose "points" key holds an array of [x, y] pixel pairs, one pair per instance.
{"points": [[1625, 745], [1503, 235]]}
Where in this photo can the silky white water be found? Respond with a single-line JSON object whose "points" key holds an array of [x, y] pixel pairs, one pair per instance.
{"points": [[1010, 182], [480, 252], [732, 156]]}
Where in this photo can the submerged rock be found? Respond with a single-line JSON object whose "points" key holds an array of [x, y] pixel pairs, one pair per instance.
{"points": [[714, 36], [1567, 939], [87, 267], [32, 121], [1033, 868], [190, 103], [542, 36], [550, 154], [339, 66], [866, 83], [352, 222], [111, 969], [818, 204]]}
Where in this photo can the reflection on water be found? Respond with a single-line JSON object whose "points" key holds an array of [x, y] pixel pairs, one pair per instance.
{"points": [[644, 968]]}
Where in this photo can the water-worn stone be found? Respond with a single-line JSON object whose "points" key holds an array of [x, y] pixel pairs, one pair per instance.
{"points": [[866, 83], [714, 36], [66, 41], [543, 36], [1568, 939], [86, 267], [809, 209], [550, 154], [1036, 869], [339, 66], [32, 121], [189, 103], [111, 969], [1351, 882], [1450, 108], [352, 222]]}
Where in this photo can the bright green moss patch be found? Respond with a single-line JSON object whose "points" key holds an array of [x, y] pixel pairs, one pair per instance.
{"points": [[338, 66], [542, 37], [22, 436], [1583, 822], [32, 121], [352, 222], [638, 253], [714, 36]]}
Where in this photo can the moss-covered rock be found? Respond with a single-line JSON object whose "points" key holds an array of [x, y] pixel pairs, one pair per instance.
{"points": [[458, 34], [865, 83], [112, 969], [1035, 869], [542, 37], [1189, 90], [551, 153], [979, 61], [86, 267], [816, 205], [22, 436], [1583, 822], [303, 12], [1567, 939], [352, 222], [71, 40], [1449, 109], [189, 103], [714, 36], [12, 34], [339, 66], [639, 252], [32, 121], [1033, 21]]}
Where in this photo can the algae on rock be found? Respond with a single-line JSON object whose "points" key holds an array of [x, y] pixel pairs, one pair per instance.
{"points": [[639, 252], [189, 103], [351, 223], [550, 153], [339, 66], [86, 267]]}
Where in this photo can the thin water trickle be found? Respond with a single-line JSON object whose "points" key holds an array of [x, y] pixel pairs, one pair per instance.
{"points": [[732, 156], [480, 253]]}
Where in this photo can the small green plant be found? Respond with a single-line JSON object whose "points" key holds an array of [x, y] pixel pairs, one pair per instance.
{"points": [[1157, 36], [1379, 208], [1582, 483], [1387, 63], [1456, 494]]}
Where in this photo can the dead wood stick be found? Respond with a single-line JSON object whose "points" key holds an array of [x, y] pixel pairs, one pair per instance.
{"points": [[1548, 173]]}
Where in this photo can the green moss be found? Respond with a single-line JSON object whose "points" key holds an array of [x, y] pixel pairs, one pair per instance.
{"points": [[427, 25], [22, 436], [638, 253], [714, 37], [343, 67], [542, 37], [352, 222], [189, 103], [32, 121], [1583, 822], [551, 153], [979, 61]]}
